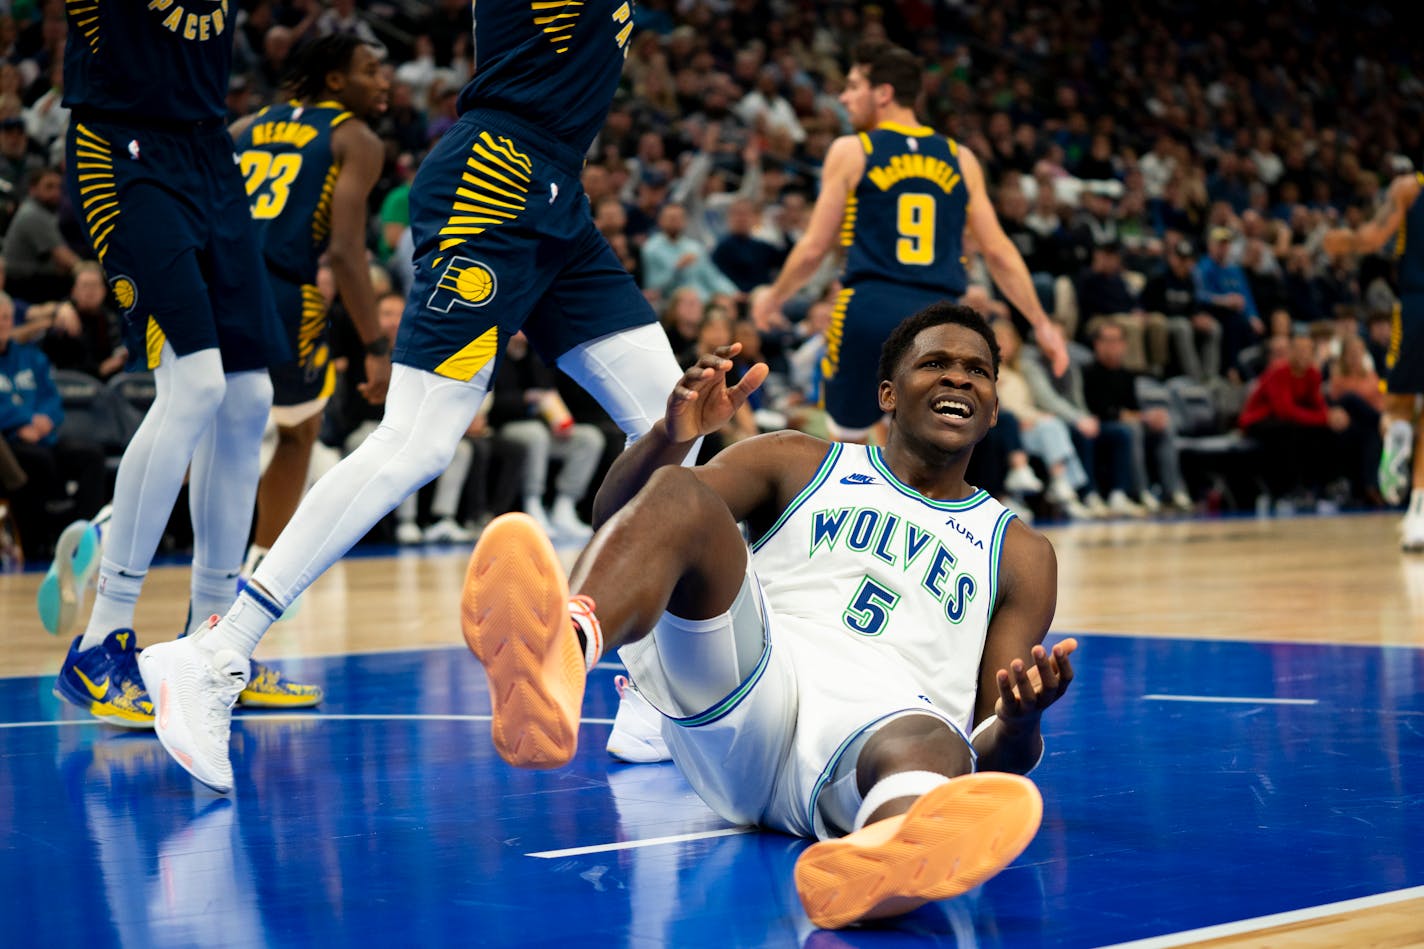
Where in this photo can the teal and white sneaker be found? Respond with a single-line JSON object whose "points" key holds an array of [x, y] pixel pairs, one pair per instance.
{"points": [[1394, 466], [60, 598]]}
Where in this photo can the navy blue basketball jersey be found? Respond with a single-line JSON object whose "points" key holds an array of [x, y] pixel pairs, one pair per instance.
{"points": [[287, 163], [904, 223], [553, 63], [155, 59], [1409, 245]]}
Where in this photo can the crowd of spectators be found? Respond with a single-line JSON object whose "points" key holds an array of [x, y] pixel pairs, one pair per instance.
{"points": [[1166, 168]]}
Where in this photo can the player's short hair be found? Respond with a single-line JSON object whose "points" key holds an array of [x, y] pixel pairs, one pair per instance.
{"points": [[936, 314], [887, 64], [314, 60]]}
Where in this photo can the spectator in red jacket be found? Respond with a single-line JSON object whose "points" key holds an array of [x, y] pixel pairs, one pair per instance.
{"points": [[1301, 436]]}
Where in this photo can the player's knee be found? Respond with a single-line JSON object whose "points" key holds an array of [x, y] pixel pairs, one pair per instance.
{"points": [[199, 394], [913, 743]]}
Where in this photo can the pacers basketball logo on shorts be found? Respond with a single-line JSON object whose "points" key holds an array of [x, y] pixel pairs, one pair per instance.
{"points": [[465, 283], [124, 292]]}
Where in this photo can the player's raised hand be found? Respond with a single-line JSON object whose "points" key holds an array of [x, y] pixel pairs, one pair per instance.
{"points": [[702, 402], [1025, 691]]}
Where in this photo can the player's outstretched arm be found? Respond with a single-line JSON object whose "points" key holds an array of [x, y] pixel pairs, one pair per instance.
{"points": [[1006, 265], [845, 163], [1018, 678], [700, 404], [1376, 232]]}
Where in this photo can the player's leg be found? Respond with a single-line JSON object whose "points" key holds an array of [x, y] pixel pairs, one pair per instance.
{"points": [[284, 482], [536, 643], [596, 326], [926, 827], [300, 390]]}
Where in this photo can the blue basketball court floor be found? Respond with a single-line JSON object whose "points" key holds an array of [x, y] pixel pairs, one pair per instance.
{"points": [[1192, 789]]}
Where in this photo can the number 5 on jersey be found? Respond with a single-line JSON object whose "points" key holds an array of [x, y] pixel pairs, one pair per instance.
{"points": [[269, 181], [869, 610]]}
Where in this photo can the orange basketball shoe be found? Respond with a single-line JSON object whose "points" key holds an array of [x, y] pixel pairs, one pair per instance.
{"points": [[514, 613], [953, 838]]}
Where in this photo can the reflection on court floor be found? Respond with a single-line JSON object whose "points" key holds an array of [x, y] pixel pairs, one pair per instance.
{"points": [[1187, 784]]}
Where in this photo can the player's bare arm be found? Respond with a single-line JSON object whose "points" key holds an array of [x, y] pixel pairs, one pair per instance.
{"points": [[1379, 230], [752, 477], [1018, 678], [845, 163], [1006, 265], [360, 154]]}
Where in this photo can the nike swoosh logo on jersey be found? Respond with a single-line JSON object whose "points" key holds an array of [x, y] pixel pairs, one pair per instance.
{"points": [[858, 479], [98, 691]]}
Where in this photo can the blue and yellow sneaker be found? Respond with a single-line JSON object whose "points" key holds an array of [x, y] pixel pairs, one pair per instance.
{"points": [[105, 682], [61, 594], [268, 688]]}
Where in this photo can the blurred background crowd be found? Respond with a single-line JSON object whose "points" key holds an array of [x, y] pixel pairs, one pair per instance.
{"points": [[1167, 170]]}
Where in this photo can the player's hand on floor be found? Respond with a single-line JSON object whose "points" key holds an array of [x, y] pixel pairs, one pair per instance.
{"points": [[702, 402], [1026, 690]]}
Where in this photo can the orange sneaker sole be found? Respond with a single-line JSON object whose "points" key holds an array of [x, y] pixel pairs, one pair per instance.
{"points": [[514, 613], [952, 839]]}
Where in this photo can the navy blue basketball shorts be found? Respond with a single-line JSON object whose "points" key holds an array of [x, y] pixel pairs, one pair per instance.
{"points": [[504, 240], [304, 318], [863, 318], [167, 216], [1403, 371]]}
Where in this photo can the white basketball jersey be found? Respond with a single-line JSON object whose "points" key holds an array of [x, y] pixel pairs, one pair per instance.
{"points": [[864, 567]]}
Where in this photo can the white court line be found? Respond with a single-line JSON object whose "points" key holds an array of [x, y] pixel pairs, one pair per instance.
{"points": [[301, 717], [1268, 922], [1228, 699], [634, 844]]}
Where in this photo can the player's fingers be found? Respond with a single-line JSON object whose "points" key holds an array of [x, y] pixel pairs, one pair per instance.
{"points": [[1007, 695], [750, 381], [1043, 664]]}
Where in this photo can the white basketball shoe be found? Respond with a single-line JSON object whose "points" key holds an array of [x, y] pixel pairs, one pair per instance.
{"points": [[193, 691], [637, 735]]}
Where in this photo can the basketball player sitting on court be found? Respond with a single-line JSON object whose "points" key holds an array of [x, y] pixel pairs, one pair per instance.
{"points": [[870, 672]]}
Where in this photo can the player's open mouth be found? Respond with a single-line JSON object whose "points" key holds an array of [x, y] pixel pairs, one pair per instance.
{"points": [[952, 407]]}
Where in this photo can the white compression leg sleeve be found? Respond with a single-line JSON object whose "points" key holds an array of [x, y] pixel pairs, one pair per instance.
{"points": [[222, 491], [189, 391], [630, 373], [426, 416]]}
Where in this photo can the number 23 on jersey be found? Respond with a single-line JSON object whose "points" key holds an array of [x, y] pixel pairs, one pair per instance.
{"points": [[269, 181]]}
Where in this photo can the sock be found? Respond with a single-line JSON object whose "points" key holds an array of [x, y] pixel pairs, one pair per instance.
{"points": [[114, 603], [1416, 502], [900, 784], [213, 592], [587, 628], [242, 628]]}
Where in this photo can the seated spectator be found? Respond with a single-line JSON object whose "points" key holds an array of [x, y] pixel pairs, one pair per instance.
{"points": [[87, 334], [1300, 435], [1104, 448], [38, 260], [672, 259], [1223, 289], [1044, 436], [1355, 387], [64, 476], [1104, 295], [1110, 390], [527, 409], [19, 158], [682, 322], [748, 261], [1195, 333]]}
